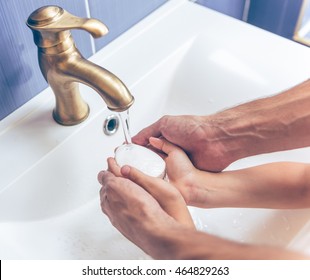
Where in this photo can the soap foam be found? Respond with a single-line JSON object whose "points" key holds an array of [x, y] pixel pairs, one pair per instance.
{"points": [[141, 158]]}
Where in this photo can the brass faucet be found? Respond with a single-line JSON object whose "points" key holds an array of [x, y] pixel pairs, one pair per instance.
{"points": [[63, 66]]}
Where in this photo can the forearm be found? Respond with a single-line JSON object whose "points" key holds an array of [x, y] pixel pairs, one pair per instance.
{"points": [[277, 185], [191, 244], [280, 122]]}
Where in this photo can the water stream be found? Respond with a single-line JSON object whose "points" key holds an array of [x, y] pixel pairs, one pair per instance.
{"points": [[124, 116]]}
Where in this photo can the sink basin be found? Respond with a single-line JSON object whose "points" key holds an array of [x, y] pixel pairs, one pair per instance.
{"points": [[49, 203]]}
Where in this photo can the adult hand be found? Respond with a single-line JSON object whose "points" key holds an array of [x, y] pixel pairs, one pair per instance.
{"points": [[194, 134], [168, 197], [271, 124], [135, 212]]}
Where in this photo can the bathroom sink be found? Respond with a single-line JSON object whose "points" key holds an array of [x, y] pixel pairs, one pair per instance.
{"points": [[49, 203]]}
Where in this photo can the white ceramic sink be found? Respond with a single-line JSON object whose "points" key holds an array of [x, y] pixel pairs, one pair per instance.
{"points": [[49, 203]]}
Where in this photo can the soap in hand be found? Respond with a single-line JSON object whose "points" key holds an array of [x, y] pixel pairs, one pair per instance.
{"points": [[141, 158]]}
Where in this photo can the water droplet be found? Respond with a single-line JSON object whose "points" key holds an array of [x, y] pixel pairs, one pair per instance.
{"points": [[287, 225], [235, 223]]}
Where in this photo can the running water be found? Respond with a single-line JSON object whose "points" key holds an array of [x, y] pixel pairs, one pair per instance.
{"points": [[124, 116], [137, 156]]}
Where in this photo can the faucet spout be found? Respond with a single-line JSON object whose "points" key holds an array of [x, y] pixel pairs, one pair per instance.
{"points": [[112, 90], [65, 70]]}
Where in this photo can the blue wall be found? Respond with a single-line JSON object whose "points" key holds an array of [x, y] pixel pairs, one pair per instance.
{"points": [[20, 76], [232, 8], [277, 16]]}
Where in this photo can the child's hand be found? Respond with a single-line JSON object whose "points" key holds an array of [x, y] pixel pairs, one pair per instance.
{"points": [[181, 172]]}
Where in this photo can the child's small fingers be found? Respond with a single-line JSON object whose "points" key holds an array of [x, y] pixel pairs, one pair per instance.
{"points": [[163, 145]]}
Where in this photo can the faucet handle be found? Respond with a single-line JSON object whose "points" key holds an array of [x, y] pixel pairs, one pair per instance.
{"points": [[51, 24]]}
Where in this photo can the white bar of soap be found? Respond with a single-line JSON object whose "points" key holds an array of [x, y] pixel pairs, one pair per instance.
{"points": [[141, 158]]}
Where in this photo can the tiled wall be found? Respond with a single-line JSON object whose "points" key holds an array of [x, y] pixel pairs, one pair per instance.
{"points": [[20, 76]]}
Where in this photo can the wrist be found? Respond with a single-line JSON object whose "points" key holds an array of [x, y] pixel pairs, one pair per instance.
{"points": [[187, 244], [227, 137], [249, 129], [265, 125], [165, 242], [176, 244]]}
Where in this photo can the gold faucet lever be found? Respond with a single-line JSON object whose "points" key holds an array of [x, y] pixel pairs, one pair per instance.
{"points": [[63, 66], [55, 19]]}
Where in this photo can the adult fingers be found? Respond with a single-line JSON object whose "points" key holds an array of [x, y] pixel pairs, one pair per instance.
{"points": [[150, 184], [142, 138], [167, 196]]}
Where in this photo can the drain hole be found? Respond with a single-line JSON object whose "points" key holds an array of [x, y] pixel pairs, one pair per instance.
{"points": [[111, 125]]}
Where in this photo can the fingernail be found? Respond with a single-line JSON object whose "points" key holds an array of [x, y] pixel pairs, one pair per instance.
{"points": [[125, 170]]}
